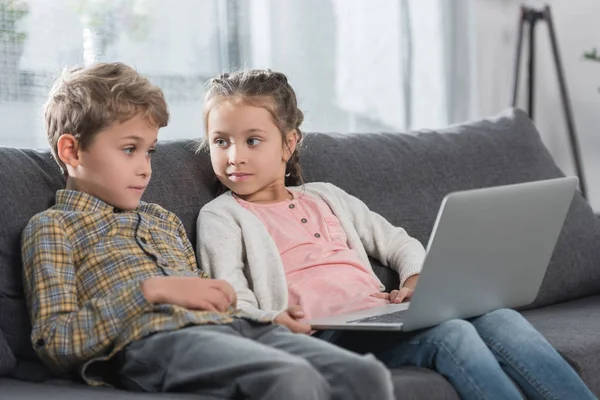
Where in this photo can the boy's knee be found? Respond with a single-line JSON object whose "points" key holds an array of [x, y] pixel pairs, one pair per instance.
{"points": [[298, 379], [371, 376]]}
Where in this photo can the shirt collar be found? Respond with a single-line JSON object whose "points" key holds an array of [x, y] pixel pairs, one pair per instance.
{"points": [[74, 200]]}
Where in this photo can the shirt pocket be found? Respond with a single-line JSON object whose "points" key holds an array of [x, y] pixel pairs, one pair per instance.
{"points": [[335, 230], [171, 251]]}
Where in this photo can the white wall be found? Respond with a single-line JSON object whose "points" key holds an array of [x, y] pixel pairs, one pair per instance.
{"points": [[577, 30]]}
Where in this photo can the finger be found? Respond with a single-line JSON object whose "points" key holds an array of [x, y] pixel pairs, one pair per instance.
{"points": [[296, 312], [381, 295], [299, 327], [399, 298], [226, 288], [393, 295], [204, 306], [287, 321], [404, 294], [218, 299]]}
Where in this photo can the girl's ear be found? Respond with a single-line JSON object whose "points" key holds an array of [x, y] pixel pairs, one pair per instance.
{"points": [[68, 150], [289, 146]]}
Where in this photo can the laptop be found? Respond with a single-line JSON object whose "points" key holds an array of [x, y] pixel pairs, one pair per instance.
{"points": [[489, 249]]}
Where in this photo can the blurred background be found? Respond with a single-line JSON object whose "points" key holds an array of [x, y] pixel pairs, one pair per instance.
{"points": [[357, 65]]}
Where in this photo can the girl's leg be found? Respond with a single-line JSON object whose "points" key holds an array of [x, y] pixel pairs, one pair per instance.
{"points": [[453, 349], [528, 358]]}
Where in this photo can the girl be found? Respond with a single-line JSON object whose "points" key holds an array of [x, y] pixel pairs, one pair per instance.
{"points": [[293, 252]]}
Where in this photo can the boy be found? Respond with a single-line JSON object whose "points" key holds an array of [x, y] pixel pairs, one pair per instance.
{"points": [[112, 282]]}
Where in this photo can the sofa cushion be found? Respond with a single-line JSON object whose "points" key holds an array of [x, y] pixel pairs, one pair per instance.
{"points": [[28, 179], [182, 181], [67, 390], [405, 177], [409, 383], [572, 328], [16, 327], [7, 358]]}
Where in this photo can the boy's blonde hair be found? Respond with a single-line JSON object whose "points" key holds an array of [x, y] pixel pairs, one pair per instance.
{"points": [[85, 101]]}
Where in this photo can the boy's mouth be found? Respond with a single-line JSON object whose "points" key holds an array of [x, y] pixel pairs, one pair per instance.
{"points": [[138, 188]]}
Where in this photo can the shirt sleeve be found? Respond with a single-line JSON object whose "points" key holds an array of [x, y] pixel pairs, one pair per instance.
{"points": [[65, 333], [392, 245]]}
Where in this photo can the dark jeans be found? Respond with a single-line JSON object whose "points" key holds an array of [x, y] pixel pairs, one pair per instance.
{"points": [[250, 361]]}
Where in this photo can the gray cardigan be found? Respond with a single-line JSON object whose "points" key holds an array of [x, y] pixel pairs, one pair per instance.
{"points": [[234, 245]]}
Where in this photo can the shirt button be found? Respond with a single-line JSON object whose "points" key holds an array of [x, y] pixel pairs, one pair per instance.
{"points": [[143, 240], [292, 206], [317, 235], [304, 220], [40, 343]]}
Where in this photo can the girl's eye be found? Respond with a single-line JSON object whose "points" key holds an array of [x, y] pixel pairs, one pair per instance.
{"points": [[221, 142], [129, 150], [254, 141]]}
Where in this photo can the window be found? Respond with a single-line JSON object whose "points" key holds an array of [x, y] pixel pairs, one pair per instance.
{"points": [[356, 65]]}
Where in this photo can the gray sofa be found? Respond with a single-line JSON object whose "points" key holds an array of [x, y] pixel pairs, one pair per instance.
{"points": [[403, 177]]}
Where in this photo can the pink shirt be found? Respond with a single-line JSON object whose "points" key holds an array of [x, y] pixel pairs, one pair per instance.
{"points": [[324, 276]]}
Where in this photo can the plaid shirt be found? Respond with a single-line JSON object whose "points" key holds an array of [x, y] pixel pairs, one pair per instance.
{"points": [[84, 262]]}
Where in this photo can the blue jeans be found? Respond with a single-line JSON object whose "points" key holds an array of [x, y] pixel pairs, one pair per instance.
{"points": [[479, 357]]}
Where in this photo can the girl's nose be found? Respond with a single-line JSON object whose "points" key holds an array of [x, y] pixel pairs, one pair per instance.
{"points": [[236, 155]]}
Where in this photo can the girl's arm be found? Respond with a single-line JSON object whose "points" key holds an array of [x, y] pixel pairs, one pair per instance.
{"points": [[220, 253], [393, 246]]}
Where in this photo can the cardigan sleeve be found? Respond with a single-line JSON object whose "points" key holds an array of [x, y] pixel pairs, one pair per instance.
{"points": [[221, 254], [392, 245]]}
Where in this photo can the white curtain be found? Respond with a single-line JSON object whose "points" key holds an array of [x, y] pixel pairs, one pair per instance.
{"points": [[404, 62]]}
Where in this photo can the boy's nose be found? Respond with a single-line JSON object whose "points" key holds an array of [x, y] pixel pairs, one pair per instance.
{"points": [[145, 168]]}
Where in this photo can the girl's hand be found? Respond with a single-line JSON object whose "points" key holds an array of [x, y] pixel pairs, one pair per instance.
{"points": [[289, 318], [395, 296], [404, 293]]}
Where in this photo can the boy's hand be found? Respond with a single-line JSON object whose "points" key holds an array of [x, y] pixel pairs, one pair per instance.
{"points": [[289, 318], [190, 292], [404, 293]]}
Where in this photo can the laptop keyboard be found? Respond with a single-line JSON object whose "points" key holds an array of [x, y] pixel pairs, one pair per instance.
{"points": [[390, 318]]}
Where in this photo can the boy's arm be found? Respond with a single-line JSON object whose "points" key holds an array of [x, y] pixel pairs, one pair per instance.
{"points": [[65, 333], [392, 245]]}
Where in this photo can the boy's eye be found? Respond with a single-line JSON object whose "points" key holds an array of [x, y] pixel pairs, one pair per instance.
{"points": [[150, 152], [129, 150], [221, 142], [253, 141]]}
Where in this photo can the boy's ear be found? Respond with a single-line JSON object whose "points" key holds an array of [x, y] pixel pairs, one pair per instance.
{"points": [[68, 150], [291, 141]]}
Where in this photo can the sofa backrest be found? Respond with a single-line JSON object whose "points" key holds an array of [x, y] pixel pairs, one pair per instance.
{"points": [[403, 177]]}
